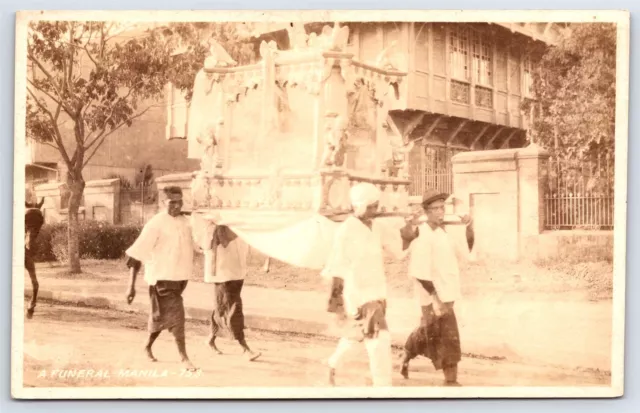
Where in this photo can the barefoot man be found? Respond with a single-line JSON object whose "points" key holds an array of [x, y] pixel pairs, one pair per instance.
{"points": [[359, 291], [166, 247], [227, 269], [435, 270]]}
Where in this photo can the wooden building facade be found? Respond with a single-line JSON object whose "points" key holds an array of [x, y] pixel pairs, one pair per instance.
{"points": [[465, 85]]}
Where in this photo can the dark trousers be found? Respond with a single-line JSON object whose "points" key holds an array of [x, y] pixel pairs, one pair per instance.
{"points": [[227, 313], [437, 338], [167, 307]]}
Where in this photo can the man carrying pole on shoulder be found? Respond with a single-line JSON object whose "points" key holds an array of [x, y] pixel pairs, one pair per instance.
{"points": [[166, 248], [434, 267], [226, 267], [358, 282]]}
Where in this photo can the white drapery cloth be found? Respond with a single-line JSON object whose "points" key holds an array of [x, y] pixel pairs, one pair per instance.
{"points": [[301, 239]]}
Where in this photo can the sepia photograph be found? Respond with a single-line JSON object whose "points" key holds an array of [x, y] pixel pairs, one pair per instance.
{"points": [[319, 204]]}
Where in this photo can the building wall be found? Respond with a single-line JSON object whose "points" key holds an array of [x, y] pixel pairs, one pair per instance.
{"points": [[443, 73], [128, 148], [131, 147]]}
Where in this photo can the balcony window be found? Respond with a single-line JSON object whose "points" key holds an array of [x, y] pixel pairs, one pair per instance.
{"points": [[527, 79], [459, 52], [482, 59]]}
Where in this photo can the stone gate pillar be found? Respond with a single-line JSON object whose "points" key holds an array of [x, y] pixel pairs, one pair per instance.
{"points": [[505, 193], [532, 181]]}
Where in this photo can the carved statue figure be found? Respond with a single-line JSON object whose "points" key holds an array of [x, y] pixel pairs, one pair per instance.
{"points": [[218, 56], [398, 165], [268, 52], [339, 37], [335, 142], [383, 60], [209, 140], [332, 38]]}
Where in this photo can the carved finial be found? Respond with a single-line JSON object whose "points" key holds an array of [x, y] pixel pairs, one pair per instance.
{"points": [[268, 49], [298, 37], [335, 38], [218, 57], [340, 37]]}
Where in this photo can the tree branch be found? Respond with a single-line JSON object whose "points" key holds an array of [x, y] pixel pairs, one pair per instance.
{"points": [[72, 53], [44, 91], [84, 30], [102, 41], [111, 115], [51, 145], [65, 84], [86, 49], [51, 81], [57, 138], [105, 136], [57, 115], [106, 121]]}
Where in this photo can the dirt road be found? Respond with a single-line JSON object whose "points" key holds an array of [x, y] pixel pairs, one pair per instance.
{"points": [[70, 346]]}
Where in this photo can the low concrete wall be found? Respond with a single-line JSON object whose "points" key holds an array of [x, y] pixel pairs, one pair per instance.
{"points": [[102, 200], [575, 245]]}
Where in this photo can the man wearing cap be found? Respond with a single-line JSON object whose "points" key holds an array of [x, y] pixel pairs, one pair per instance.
{"points": [[359, 292], [166, 247], [434, 266]]}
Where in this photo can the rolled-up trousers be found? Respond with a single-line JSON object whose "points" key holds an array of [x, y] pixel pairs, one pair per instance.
{"points": [[379, 351]]}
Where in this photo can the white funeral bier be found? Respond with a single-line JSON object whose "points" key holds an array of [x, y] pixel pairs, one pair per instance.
{"points": [[282, 141]]}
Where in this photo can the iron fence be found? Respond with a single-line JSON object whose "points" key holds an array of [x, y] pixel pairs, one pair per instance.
{"points": [[579, 195], [431, 167]]}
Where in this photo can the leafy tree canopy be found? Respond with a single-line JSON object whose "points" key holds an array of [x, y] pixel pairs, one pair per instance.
{"points": [[575, 90]]}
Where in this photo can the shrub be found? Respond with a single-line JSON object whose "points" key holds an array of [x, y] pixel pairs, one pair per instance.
{"points": [[98, 240]]}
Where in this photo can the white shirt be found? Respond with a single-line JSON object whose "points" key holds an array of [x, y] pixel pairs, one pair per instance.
{"points": [[434, 257], [357, 258], [165, 247], [231, 262]]}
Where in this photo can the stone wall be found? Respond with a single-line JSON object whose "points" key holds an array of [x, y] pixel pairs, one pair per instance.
{"points": [[575, 246], [504, 191], [102, 200]]}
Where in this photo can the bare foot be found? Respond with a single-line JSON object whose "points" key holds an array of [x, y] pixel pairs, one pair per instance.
{"points": [[30, 313], [212, 345], [188, 365], [251, 355], [149, 354], [404, 371], [332, 376]]}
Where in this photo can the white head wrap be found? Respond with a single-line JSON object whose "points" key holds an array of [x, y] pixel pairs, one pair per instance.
{"points": [[362, 195]]}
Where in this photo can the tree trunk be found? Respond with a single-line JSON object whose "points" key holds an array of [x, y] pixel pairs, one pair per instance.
{"points": [[76, 186]]}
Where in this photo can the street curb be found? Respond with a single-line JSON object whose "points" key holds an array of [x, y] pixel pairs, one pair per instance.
{"points": [[278, 325], [252, 321], [257, 322]]}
